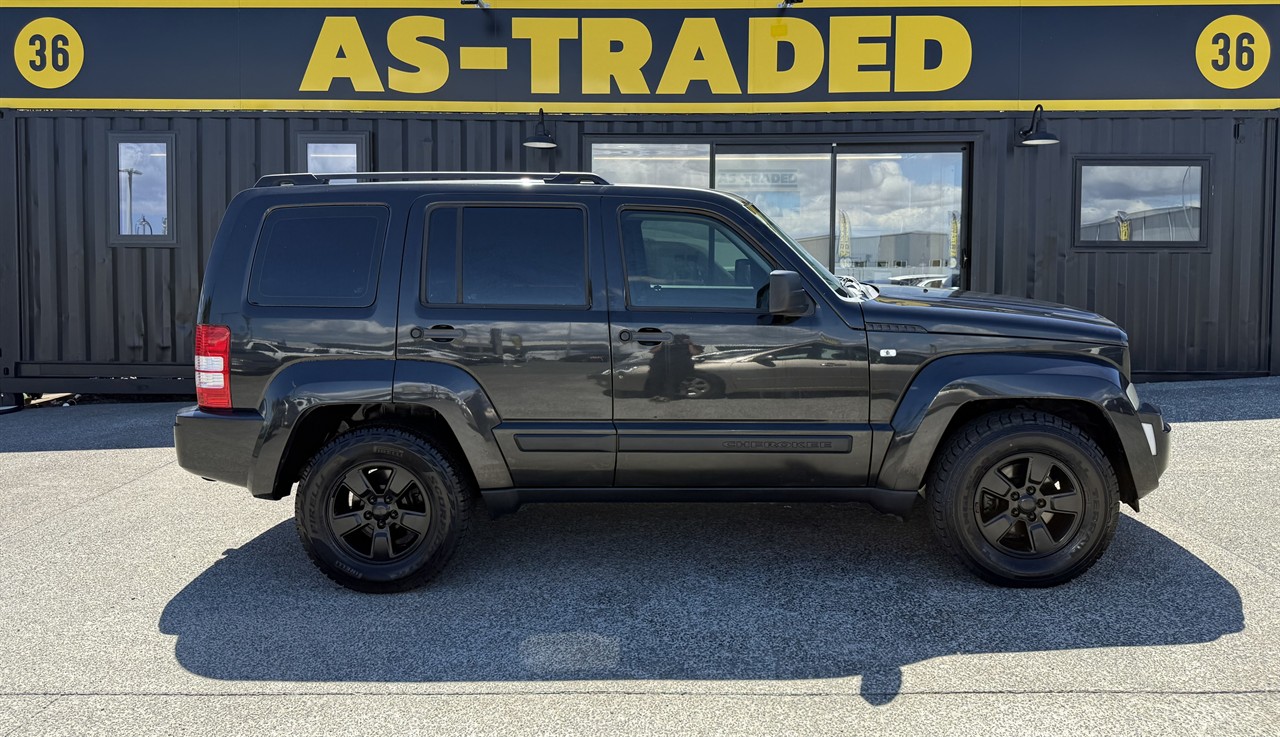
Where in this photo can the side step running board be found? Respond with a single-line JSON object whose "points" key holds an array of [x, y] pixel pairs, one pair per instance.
{"points": [[888, 501]]}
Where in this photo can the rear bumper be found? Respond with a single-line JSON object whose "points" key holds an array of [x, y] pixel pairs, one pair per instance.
{"points": [[218, 446]]}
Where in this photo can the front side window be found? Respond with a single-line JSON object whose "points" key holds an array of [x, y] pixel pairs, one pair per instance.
{"points": [[687, 261], [520, 256], [1128, 203], [319, 256], [143, 188]]}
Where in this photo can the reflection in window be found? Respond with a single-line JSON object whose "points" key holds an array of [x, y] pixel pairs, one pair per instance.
{"points": [[678, 164], [898, 217], [1140, 203], [143, 168], [793, 189]]}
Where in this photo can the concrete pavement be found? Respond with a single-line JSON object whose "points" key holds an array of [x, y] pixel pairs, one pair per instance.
{"points": [[138, 599]]}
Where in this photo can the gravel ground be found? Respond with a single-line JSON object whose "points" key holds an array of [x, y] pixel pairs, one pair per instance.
{"points": [[139, 599]]}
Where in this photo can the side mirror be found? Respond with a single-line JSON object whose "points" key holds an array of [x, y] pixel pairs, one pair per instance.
{"points": [[787, 295]]}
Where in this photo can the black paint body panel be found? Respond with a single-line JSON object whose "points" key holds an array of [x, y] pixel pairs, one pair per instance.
{"points": [[846, 402]]}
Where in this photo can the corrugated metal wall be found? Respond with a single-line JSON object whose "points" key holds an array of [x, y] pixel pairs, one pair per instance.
{"points": [[88, 308]]}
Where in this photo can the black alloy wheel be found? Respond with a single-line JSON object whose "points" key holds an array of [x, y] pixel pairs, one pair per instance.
{"points": [[381, 509], [1023, 498], [1029, 504]]}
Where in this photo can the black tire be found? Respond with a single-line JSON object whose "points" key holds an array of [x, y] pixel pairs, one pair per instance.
{"points": [[1023, 499], [399, 529], [11, 402]]}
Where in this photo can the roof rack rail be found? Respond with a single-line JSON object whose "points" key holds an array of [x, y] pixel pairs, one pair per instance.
{"points": [[304, 179]]}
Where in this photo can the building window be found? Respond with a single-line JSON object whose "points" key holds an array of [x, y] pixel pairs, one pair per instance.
{"points": [[319, 256], [679, 164], [142, 188], [1124, 202], [333, 153]]}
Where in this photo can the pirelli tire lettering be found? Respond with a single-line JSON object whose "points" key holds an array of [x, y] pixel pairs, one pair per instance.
{"points": [[785, 55]]}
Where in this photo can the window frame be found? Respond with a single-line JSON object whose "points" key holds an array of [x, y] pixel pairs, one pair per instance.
{"points": [[970, 143], [170, 141], [751, 242], [460, 205], [1077, 201], [251, 294], [303, 139]]}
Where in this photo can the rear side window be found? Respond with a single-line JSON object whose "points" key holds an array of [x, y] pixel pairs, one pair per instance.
{"points": [[319, 256], [531, 256]]}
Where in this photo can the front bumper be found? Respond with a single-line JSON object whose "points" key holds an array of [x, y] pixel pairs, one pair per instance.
{"points": [[1149, 453]]}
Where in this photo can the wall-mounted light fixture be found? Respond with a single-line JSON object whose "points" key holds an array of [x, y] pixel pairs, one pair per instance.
{"points": [[1035, 134], [478, 3], [540, 138], [788, 3]]}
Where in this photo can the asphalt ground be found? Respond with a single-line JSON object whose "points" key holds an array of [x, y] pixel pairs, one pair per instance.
{"points": [[138, 599]]}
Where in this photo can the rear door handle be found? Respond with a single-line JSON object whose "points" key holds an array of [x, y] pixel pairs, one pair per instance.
{"points": [[646, 335], [438, 333]]}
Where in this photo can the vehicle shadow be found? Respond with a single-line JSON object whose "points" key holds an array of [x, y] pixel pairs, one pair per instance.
{"points": [[695, 591]]}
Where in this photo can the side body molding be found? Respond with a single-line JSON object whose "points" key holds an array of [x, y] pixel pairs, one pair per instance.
{"points": [[299, 388], [942, 387], [456, 396]]}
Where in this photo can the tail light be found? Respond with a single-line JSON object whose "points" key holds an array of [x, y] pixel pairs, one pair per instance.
{"points": [[213, 366]]}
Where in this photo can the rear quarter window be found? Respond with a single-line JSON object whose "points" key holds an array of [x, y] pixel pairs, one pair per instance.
{"points": [[320, 256]]}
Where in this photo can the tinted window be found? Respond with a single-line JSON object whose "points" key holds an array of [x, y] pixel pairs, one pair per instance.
{"points": [[319, 256], [442, 256], [678, 260], [524, 256]]}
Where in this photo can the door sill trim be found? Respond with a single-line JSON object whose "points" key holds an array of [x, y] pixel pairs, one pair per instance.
{"points": [[888, 501]]}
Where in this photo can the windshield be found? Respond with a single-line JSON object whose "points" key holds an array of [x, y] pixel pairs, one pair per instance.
{"points": [[845, 285]]}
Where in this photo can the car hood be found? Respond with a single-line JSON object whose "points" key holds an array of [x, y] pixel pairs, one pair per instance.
{"points": [[978, 313]]}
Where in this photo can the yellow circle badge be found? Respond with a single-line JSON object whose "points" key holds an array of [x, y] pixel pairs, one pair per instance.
{"points": [[1233, 52], [48, 52]]}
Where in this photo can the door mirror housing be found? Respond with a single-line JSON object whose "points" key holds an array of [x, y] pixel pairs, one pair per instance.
{"points": [[787, 295]]}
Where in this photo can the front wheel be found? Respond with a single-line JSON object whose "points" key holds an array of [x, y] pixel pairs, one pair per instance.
{"points": [[1024, 499], [381, 510]]}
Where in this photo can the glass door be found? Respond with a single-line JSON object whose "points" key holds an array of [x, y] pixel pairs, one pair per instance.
{"points": [[887, 214], [790, 184], [899, 215]]}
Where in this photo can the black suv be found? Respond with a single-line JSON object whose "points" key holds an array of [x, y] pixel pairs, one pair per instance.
{"points": [[394, 346]]}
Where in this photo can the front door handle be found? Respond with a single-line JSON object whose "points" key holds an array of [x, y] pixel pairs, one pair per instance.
{"points": [[646, 335], [438, 333]]}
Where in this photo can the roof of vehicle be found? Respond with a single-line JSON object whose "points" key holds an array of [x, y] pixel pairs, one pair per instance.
{"points": [[443, 181]]}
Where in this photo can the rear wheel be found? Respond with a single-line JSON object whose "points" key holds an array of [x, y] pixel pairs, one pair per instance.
{"points": [[381, 510], [1024, 498]]}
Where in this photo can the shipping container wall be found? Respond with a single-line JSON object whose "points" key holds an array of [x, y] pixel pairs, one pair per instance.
{"points": [[89, 306]]}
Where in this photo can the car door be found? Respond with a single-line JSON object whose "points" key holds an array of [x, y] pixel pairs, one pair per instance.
{"points": [[511, 290], [709, 388]]}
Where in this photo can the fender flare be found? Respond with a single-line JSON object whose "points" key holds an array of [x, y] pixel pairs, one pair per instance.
{"points": [[945, 385], [457, 396], [302, 387]]}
